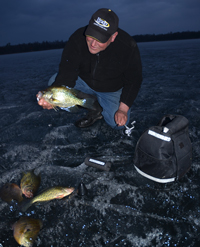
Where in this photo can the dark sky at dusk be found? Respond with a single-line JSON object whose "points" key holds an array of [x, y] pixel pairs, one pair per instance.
{"points": [[24, 21]]}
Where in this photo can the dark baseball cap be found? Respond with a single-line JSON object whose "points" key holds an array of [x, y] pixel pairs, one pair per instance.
{"points": [[102, 25]]}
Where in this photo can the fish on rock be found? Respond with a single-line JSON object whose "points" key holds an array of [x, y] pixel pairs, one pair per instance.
{"points": [[49, 194], [11, 191], [26, 230], [30, 183], [65, 97]]}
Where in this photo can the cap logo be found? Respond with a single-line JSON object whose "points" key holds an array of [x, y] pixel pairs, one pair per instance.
{"points": [[101, 23]]}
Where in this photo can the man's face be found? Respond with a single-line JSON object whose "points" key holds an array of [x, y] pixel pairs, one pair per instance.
{"points": [[95, 46]]}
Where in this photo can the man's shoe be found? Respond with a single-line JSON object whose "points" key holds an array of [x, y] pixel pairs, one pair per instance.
{"points": [[88, 120]]}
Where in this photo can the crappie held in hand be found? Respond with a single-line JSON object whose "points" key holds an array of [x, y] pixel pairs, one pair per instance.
{"points": [[25, 230], [49, 194], [65, 97]]}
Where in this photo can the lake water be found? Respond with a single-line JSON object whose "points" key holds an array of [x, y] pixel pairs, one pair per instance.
{"points": [[122, 208]]}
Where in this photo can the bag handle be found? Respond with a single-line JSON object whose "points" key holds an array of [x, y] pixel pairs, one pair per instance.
{"points": [[174, 122]]}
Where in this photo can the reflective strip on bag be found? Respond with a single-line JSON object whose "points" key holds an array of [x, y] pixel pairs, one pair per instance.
{"points": [[159, 180], [159, 136]]}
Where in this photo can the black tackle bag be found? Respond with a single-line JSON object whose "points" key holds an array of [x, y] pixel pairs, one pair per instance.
{"points": [[164, 152]]}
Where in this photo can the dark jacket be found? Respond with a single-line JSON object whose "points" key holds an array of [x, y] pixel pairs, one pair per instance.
{"points": [[118, 66]]}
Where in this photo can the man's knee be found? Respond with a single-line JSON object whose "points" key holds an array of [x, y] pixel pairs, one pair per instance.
{"points": [[109, 119]]}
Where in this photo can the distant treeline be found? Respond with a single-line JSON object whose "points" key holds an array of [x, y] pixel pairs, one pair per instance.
{"points": [[168, 36], [36, 46]]}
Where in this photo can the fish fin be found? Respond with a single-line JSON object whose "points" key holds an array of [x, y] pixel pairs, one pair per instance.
{"points": [[72, 109], [56, 108], [88, 103], [55, 101]]}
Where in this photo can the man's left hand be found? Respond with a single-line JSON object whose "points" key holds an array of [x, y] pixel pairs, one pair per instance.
{"points": [[121, 116]]}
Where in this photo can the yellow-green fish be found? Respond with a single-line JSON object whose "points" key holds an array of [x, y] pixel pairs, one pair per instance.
{"points": [[65, 97], [25, 230], [30, 183], [49, 194]]}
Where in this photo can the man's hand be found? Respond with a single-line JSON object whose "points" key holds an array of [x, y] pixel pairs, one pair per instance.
{"points": [[42, 102], [121, 116]]}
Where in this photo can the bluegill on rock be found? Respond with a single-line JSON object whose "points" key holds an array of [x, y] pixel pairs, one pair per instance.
{"points": [[11, 191], [65, 97], [25, 230], [49, 194], [30, 183]]}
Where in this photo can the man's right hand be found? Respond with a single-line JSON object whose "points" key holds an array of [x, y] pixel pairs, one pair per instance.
{"points": [[43, 103]]}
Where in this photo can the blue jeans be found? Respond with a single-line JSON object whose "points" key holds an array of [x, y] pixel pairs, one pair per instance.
{"points": [[109, 101]]}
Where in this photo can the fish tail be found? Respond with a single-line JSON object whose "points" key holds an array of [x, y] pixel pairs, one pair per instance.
{"points": [[25, 204], [89, 103]]}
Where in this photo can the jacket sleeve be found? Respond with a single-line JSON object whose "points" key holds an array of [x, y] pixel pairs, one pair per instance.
{"points": [[132, 77], [69, 64]]}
